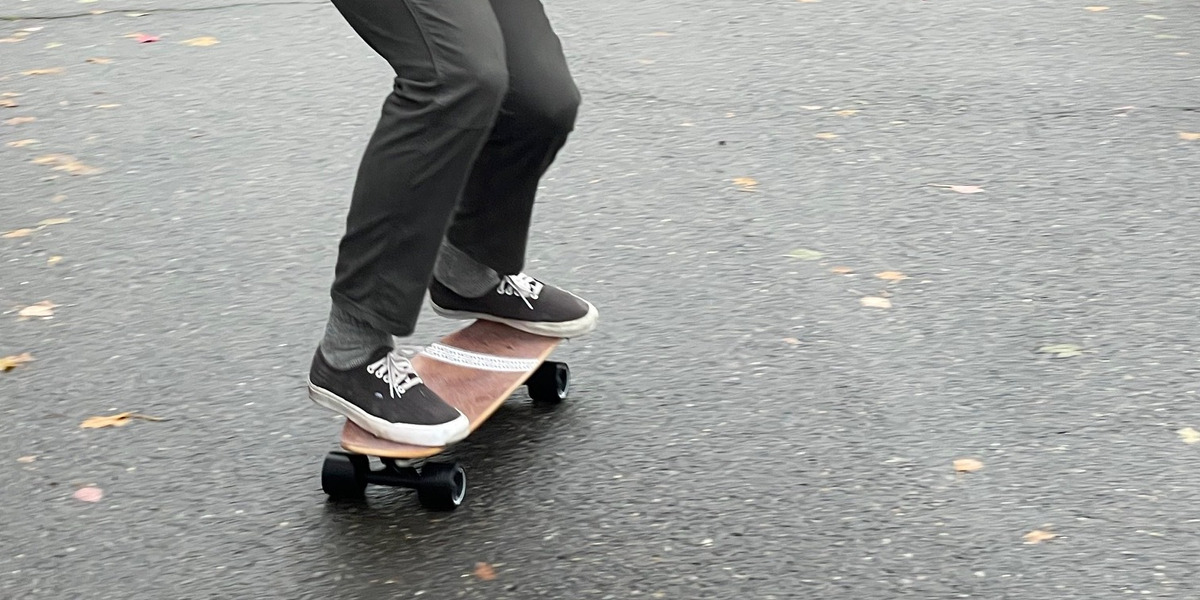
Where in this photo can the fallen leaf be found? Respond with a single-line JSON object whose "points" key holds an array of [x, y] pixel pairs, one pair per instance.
{"points": [[88, 494], [201, 41], [826, 136], [746, 183], [1037, 536], [53, 260], [9, 103], [967, 465], [1061, 350], [26, 459], [876, 302], [484, 571], [791, 341], [842, 270], [143, 38], [50, 71], [42, 309], [20, 120], [805, 254], [1096, 8], [20, 143], [1189, 435], [19, 233], [117, 420], [99, 60], [892, 276], [1189, 136], [9, 363], [850, 112]]}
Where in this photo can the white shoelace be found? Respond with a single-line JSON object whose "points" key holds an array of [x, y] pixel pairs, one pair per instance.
{"points": [[521, 285], [397, 372]]}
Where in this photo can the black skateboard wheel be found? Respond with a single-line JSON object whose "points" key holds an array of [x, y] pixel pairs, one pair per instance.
{"points": [[345, 475], [443, 486], [550, 383]]}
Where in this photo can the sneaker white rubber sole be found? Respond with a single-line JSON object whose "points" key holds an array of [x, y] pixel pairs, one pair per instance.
{"points": [[403, 433], [565, 329]]}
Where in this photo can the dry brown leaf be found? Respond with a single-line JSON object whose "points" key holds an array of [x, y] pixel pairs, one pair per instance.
{"points": [[1189, 136], [20, 143], [19, 233], [117, 420], [892, 276], [876, 302], [9, 363], [484, 571], [99, 60], [201, 41], [841, 270], [826, 136], [42, 309], [967, 465], [88, 494], [20, 120], [1096, 8], [1038, 536], [53, 260], [51, 71], [1189, 435]]}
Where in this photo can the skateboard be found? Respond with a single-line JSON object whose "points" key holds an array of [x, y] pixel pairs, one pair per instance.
{"points": [[475, 369]]}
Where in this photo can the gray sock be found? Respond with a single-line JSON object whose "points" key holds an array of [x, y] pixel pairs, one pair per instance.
{"points": [[463, 274], [349, 342]]}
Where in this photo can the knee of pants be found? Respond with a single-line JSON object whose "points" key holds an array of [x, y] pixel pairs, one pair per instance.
{"points": [[472, 94], [549, 111]]}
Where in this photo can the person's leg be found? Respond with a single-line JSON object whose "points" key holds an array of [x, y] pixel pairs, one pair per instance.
{"points": [[485, 246], [451, 77]]}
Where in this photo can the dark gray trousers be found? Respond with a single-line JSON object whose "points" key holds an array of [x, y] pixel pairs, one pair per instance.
{"points": [[481, 104]]}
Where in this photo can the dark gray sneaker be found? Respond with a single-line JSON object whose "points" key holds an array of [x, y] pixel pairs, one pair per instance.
{"points": [[521, 302], [387, 398]]}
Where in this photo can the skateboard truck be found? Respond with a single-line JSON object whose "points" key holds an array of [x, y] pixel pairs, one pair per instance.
{"points": [[440, 486]]}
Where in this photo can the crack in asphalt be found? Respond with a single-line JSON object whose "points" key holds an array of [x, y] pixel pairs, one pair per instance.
{"points": [[156, 10]]}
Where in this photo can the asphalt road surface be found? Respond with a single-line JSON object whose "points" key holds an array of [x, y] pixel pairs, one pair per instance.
{"points": [[742, 425]]}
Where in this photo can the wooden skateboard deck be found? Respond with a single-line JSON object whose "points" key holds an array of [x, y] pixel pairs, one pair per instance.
{"points": [[474, 369]]}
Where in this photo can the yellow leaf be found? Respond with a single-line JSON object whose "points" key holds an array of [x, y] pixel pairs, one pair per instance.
{"points": [[1189, 435], [967, 465], [117, 420], [9, 363], [20, 120], [746, 183], [876, 302], [1096, 8], [201, 41], [58, 221], [842, 270], [99, 61], [891, 276], [827, 136], [1189, 136], [43, 309], [19, 233], [53, 260], [1037, 536], [20, 143], [484, 571], [50, 71]]}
